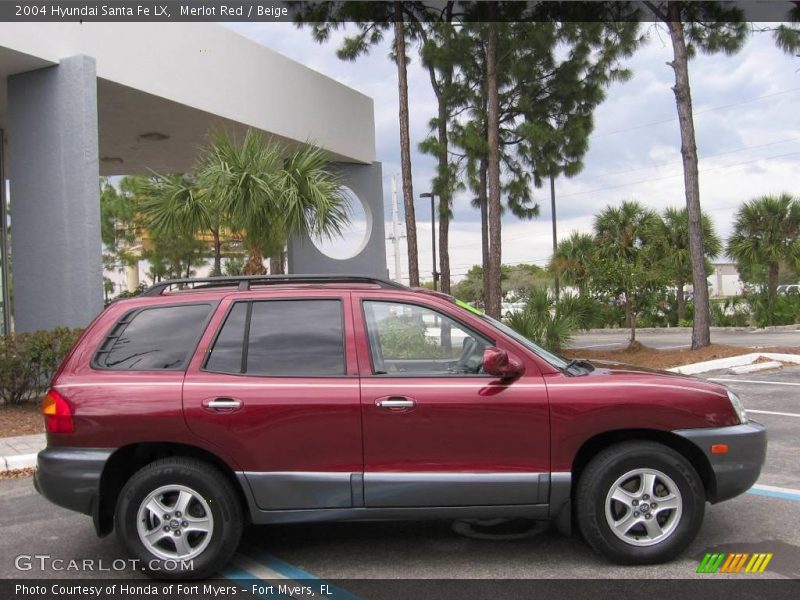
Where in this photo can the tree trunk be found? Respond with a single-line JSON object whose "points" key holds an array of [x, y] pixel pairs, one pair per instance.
{"points": [[494, 296], [276, 263], [772, 281], [255, 263], [630, 320], [556, 285], [679, 295], [482, 200], [217, 252], [444, 198], [701, 332], [405, 146]]}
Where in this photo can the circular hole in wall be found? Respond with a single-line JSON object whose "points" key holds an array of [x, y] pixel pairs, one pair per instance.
{"points": [[354, 235]]}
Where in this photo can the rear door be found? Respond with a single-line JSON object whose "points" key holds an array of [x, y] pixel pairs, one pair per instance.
{"points": [[275, 389]]}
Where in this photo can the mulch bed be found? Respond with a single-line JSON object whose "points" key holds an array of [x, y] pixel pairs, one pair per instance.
{"points": [[16, 473], [21, 419], [643, 356]]}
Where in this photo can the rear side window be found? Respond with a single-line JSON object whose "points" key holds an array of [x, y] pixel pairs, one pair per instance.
{"points": [[160, 338], [281, 338]]}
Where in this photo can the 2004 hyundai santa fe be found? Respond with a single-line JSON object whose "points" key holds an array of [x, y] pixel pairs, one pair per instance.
{"points": [[184, 414]]}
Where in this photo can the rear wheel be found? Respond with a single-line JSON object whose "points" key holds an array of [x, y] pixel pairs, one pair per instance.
{"points": [[639, 503], [180, 517]]}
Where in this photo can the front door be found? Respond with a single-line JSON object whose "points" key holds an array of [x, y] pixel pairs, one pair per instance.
{"points": [[275, 390], [437, 430]]}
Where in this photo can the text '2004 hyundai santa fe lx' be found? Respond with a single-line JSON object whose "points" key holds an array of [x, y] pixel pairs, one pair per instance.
{"points": [[201, 406]]}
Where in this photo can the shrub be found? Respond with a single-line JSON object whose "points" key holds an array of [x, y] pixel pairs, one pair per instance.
{"points": [[28, 361], [17, 372], [549, 324]]}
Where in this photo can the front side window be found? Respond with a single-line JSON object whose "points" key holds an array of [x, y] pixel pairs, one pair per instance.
{"points": [[281, 338], [408, 339], [160, 338]]}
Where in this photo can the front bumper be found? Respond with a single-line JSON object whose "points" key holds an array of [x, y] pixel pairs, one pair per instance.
{"points": [[735, 472], [70, 477]]}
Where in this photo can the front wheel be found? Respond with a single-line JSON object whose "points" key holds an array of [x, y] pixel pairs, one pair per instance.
{"points": [[180, 517], [639, 503]]}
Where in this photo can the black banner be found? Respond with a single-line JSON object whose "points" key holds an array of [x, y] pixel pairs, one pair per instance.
{"points": [[266, 11], [713, 587]]}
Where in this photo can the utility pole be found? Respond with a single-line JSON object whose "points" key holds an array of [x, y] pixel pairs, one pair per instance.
{"points": [[4, 279], [435, 273], [396, 235], [555, 236]]}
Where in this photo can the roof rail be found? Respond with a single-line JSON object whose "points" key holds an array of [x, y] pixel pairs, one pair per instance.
{"points": [[244, 281]]}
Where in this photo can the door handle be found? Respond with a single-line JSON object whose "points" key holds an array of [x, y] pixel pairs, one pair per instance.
{"points": [[223, 404], [395, 403]]}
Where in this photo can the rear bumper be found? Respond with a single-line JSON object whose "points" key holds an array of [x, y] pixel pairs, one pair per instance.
{"points": [[70, 477], [734, 472]]}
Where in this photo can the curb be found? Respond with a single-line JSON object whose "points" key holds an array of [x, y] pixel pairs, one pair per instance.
{"points": [[734, 361], [17, 461], [618, 330]]}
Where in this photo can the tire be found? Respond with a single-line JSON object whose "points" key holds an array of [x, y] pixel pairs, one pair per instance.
{"points": [[624, 471], [193, 545]]}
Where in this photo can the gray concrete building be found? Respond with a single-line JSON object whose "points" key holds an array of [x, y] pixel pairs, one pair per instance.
{"points": [[78, 101]]}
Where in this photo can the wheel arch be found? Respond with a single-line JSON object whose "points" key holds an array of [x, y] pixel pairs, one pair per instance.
{"points": [[684, 447], [127, 460]]}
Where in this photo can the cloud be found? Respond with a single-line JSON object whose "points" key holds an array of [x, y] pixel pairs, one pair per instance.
{"points": [[747, 125]]}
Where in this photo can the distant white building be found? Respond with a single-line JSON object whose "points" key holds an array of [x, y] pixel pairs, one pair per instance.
{"points": [[724, 281]]}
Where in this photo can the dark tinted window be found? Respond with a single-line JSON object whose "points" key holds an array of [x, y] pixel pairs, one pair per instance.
{"points": [[154, 338], [296, 337], [226, 357]]}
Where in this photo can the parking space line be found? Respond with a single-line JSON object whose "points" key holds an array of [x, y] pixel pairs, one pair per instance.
{"points": [[263, 562], [775, 492], [770, 412], [723, 379]]}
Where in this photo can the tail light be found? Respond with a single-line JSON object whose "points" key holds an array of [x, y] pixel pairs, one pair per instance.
{"points": [[57, 413]]}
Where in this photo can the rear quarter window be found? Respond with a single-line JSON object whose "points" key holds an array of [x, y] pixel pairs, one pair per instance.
{"points": [[153, 339]]}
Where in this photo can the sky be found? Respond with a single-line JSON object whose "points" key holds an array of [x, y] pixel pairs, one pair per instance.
{"points": [[746, 118]]}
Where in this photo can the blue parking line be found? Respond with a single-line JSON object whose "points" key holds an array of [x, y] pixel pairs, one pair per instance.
{"points": [[290, 571], [775, 494]]}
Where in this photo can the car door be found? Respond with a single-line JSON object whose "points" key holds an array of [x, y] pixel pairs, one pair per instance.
{"points": [[437, 430], [275, 390]]}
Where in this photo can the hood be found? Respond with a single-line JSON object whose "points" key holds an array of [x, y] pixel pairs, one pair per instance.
{"points": [[605, 368]]}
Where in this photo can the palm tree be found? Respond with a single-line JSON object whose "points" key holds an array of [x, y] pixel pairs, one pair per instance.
{"points": [[765, 235], [673, 233], [623, 237], [572, 258], [174, 205], [269, 197]]}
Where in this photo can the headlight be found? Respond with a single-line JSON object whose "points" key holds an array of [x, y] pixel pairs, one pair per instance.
{"points": [[737, 407]]}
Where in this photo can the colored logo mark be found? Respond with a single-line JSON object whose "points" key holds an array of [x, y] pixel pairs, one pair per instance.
{"points": [[721, 562]]}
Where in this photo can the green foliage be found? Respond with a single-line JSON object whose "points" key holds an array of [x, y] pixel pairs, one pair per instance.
{"points": [[731, 312], [628, 262], [17, 372], [572, 260], [783, 309], [547, 323], [404, 336], [132, 294], [766, 235], [29, 361], [233, 265]]}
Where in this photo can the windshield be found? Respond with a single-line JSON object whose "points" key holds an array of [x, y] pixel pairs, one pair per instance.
{"points": [[556, 361]]}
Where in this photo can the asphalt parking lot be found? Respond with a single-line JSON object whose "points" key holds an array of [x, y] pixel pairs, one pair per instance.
{"points": [[766, 519], [669, 340]]}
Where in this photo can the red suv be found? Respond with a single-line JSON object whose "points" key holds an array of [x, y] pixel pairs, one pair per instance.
{"points": [[184, 414]]}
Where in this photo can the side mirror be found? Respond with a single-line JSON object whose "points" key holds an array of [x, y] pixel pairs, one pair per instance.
{"points": [[497, 362]]}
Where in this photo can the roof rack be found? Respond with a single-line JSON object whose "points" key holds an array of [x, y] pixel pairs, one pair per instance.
{"points": [[245, 281]]}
